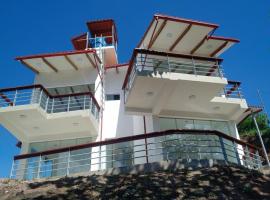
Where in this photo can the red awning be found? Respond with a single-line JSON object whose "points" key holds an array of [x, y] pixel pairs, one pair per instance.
{"points": [[102, 28]]}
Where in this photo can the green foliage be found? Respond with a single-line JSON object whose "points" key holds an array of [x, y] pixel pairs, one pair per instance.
{"points": [[247, 127]]}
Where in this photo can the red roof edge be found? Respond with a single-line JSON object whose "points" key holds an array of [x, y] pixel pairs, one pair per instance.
{"points": [[116, 66], [178, 19], [56, 54], [224, 38]]}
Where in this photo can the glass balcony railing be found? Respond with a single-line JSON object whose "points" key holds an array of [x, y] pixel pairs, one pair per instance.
{"points": [[37, 94], [190, 146]]}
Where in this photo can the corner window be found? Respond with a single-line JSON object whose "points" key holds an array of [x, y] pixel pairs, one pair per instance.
{"points": [[112, 97]]}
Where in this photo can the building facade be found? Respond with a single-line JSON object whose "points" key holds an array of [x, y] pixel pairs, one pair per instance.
{"points": [[87, 112]]}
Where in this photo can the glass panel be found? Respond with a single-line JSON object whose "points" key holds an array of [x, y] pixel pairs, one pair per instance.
{"points": [[202, 125], [221, 126], [167, 123], [184, 124], [67, 143]]}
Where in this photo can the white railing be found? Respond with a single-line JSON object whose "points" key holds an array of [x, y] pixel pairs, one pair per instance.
{"points": [[29, 95], [195, 145]]}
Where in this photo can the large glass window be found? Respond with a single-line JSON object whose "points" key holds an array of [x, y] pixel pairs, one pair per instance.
{"points": [[47, 145], [178, 123]]}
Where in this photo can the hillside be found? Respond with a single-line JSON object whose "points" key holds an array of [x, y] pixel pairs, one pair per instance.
{"points": [[218, 182]]}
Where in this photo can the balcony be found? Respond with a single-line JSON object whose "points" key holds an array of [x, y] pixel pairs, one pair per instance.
{"points": [[155, 76], [192, 148], [31, 113]]}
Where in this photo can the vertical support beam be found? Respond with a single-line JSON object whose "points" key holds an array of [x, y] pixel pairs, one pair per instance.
{"points": [[260, 137]]}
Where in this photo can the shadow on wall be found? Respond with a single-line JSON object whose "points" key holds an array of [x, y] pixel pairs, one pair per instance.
{"points": [[218, 182]]}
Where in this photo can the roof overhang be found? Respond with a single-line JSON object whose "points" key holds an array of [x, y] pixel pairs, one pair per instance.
{"points": [[250, 111], [55, 62], [80, 42], [178, 35]]}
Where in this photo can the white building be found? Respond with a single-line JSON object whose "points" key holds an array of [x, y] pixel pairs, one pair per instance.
{"points": [[86, 112]]}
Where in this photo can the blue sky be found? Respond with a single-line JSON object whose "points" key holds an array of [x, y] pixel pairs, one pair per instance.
{"points": [[32, 27]]}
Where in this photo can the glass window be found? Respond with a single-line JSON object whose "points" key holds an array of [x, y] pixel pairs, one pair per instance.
{"points": [[185, 123], [221, 126], [202, 125], [112, 97], [167, 123]]}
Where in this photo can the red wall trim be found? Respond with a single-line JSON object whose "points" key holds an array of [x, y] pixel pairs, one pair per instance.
{"points": [[56, 54]]}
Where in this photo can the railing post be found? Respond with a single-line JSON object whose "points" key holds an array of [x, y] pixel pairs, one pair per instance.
{"points": [[52, 105], [47, 102], [258, 160], [84, 102], [239, 93], [194, 67], [39, 166], [236, 153], [68, 165], [15, 97], [12, 168], [219, 71], [248, 158], [168, 61], [225, 92], [87, 40], [40, 96], [222, 146], [68, 103]]}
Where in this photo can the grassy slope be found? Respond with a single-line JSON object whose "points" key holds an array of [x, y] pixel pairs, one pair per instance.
{"points": [[220, 182]]}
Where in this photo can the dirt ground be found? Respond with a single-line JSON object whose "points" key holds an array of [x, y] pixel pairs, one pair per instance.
{"points": [[219, 182]]}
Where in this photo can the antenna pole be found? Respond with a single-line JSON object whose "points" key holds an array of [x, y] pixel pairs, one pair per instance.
{"points": [[263, 105]]}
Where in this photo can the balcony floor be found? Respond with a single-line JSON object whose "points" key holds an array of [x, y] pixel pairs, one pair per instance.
{"points": [[181, 95], [32, 123]]}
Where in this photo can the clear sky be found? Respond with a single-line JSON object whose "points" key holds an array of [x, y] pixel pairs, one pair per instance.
{"points": [[32, 27]]}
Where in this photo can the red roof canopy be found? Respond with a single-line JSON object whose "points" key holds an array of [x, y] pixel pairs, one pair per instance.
{"points": [[102, 27], [79, 42]]}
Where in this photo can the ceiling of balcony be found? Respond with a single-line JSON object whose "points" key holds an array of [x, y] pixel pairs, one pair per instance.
{"points": [[55, 62], [177, 35]]}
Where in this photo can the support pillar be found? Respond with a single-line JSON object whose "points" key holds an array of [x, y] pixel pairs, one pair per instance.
{"points": [[259, 134]]}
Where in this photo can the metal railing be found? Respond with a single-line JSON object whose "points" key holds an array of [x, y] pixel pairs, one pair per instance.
{"points": [[186, 145], [98, 41], [233, 90], [154, 65], [37, 94]]}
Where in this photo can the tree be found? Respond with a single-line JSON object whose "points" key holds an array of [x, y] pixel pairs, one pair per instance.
{"points": [[247, 127]]}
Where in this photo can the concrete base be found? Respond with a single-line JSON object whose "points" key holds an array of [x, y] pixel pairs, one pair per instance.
{"points": [[175, 165]]}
